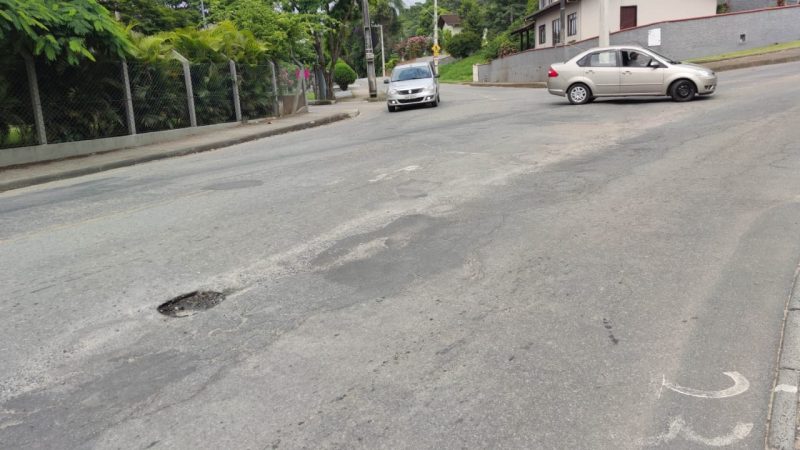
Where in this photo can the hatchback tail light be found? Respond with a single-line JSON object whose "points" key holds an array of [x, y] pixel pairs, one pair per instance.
{"points": [[552, 73]]}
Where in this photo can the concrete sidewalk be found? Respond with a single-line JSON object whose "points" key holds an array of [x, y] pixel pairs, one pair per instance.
{"points": [[32, 174], [755, 60]]}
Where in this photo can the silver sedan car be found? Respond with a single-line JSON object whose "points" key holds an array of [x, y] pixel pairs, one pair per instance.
{"points": [[628, 71], [412, 84]]}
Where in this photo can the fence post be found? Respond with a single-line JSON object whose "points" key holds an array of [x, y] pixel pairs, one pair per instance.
{"points": [[126, 79], [275, 88], [237, 105], [304, 89], [36, 101], [187, 79]]}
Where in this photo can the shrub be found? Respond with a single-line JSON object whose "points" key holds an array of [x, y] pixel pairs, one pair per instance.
{"points": [[343, 75], [391, 63], [500, 46], [464, 44], [413, 47]]}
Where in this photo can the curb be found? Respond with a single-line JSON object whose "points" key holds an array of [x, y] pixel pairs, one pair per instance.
{"points": [[531, 85], [782, 425], [174, 153]]}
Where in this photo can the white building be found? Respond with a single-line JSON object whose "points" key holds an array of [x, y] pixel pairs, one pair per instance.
{"points": [[451, 23], [582, 18]]}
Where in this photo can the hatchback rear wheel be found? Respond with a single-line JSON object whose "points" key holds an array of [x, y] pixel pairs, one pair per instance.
{"points": [[579, 94]]}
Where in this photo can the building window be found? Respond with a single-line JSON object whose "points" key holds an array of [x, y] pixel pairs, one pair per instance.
{"points": [[542, 34], [572, 24], [557, 31], [628, 17]]}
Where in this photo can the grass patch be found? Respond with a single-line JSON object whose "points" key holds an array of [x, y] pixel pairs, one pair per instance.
{"points": [[459, 71], [750, 52]]}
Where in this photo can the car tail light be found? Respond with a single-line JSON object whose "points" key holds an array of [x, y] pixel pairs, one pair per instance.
{"points": [[552, 73]]}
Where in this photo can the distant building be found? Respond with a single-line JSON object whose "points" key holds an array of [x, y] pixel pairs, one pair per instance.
{"points": [[542, 28], [451, 23]]}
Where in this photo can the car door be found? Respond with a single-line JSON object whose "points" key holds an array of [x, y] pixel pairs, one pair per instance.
{"points": [[637, 77], [602, 68]]}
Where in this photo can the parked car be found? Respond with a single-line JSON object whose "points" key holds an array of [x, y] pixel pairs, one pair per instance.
{"points": [[412, 84], [622, 71]]}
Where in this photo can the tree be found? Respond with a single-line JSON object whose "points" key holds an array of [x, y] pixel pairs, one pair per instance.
{"points": [[464, 44], [153, 16], [61, 29], [331, 29]]}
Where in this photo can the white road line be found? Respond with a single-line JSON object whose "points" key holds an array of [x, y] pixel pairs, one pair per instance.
{"points": [[740, 385]]}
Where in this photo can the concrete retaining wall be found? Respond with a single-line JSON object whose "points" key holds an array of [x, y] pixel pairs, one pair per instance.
{"points": [[683, 39], [38, 153]]}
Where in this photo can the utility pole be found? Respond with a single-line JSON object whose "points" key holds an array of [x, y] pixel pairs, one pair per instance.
{"points": [[203, 12], [373, 88], [604, 38], [562, 29], [383, 54], [436, 35]]}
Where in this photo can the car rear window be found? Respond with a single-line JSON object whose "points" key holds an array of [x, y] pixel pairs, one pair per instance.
{"points": [[602, 59]]}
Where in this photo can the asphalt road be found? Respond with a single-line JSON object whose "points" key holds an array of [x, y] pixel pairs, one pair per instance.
{"points": [[503, 271]]}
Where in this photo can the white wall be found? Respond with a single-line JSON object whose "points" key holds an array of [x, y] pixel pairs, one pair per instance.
{"points": [[648, 11], [652, 11]]}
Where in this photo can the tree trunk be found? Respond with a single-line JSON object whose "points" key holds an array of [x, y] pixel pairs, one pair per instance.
{"points": [[323, 93]]}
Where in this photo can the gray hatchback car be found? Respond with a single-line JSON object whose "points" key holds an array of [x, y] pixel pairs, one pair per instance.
{"points": [[628, 71], [412, 84]]}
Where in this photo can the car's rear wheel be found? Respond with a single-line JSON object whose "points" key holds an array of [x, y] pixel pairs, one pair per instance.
{"points": [[579, 94], [682, 91]]}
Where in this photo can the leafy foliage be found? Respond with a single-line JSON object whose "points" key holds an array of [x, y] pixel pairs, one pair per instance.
{"points": [[344, 75], [414, 47], [154, 16], [464, 44], [61, 29], [500, 46]]}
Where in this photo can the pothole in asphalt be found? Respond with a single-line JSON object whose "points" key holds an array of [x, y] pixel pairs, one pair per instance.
{"points": [[191, 303]]}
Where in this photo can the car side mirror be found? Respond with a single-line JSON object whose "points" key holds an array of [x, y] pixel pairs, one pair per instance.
{"points": [[436, 76], [653, 64], [385, 81]]}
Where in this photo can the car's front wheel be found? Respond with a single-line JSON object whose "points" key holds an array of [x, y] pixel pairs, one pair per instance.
{"points": [[579, 94], [682, 91], [391, 108]]}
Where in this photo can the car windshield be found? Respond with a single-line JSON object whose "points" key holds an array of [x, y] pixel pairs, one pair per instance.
{"points": [[665, 58], [411, 73]]}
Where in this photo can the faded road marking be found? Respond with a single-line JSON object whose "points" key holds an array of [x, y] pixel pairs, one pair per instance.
{"points": [[740, 385], [390, 175], [678, 427], [786, 388]]}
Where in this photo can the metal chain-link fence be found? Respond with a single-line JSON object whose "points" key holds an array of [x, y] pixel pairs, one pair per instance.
{"points": [[17, 126], [93, 101], [158, 94], [213, 93], [82, 102], [258, 95]]}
